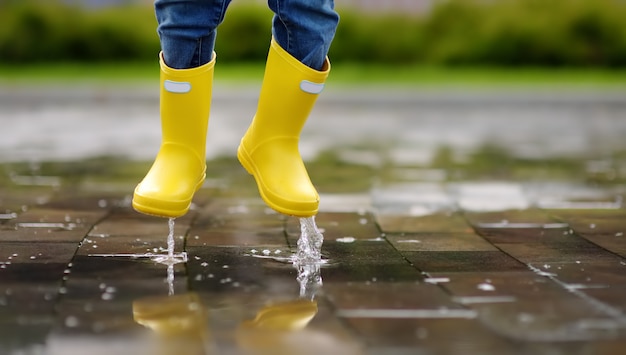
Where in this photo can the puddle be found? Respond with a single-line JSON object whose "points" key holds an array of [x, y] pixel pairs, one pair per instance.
{"points": [[483, 299], [8, 216], [443, 313], [509, 225], [64, 226], [169, 259]]}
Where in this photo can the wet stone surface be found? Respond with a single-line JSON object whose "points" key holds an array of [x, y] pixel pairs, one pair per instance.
{"points": [[473, 248]]}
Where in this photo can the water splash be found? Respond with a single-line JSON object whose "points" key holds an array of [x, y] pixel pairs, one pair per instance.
{"points": [[171, 258], [309, 243], [309, 278]]}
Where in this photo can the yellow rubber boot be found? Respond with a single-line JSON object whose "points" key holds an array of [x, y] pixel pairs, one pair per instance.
{"points": [[269, 149], [180, 166]]}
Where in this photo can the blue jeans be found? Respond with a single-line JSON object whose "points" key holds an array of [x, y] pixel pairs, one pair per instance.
{"points": [[187, 29]]}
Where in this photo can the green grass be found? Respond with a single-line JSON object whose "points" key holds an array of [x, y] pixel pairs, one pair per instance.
{"points": [[342, 74]]}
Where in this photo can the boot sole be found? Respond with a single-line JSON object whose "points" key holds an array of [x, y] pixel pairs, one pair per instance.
{"points": [[160, 208], [246, 162]]}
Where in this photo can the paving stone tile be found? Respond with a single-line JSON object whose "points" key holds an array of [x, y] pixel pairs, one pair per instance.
{"points": [[226, 269], [439, 242], [105, 269], [542, 253], [130, 223], [435, 223], [360, 226], [23, 338], [20, 298], [361, 252], [201, 237], [463, 261], [586, 214], [70, 216], [525, 216], [612, 296], [228, 224], [395, 271], [46, 225], [376, 295], [614, 243], [529, 235], [552, 319], [592, 226], [430, 336], [104, 292], [93, 201], [43, 235], [136, 245], [588, 274], [495, 287], [17, 253], [33, 272], [237, 206]]}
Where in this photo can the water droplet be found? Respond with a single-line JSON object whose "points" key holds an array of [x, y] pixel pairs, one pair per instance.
{"points": [[486, 287], [346, 240], [525, 318], [436, 280], [204, 264], [71, 322]]}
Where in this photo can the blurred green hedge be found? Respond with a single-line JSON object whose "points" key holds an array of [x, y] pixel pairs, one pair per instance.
{"points": [[581, 33]]}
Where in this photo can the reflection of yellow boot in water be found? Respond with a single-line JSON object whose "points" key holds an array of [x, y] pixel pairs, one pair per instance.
{"points": [[294, 315], [273, 329], [179, 168], [180, 321], [269, 149]]}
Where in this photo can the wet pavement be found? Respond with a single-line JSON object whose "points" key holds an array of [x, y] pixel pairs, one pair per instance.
{"points": [[475, 223]]}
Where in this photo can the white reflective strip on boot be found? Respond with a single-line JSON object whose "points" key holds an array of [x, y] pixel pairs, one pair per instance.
{"points": [[311, 87], [177, 87]]}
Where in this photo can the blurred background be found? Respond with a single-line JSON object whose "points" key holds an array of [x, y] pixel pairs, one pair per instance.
{"points": [[428, 83], [550, 33]]}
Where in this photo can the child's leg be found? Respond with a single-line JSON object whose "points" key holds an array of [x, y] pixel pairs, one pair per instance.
{"points": [[187, 33], [295, 73], [305, 28], [187, 30]]}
